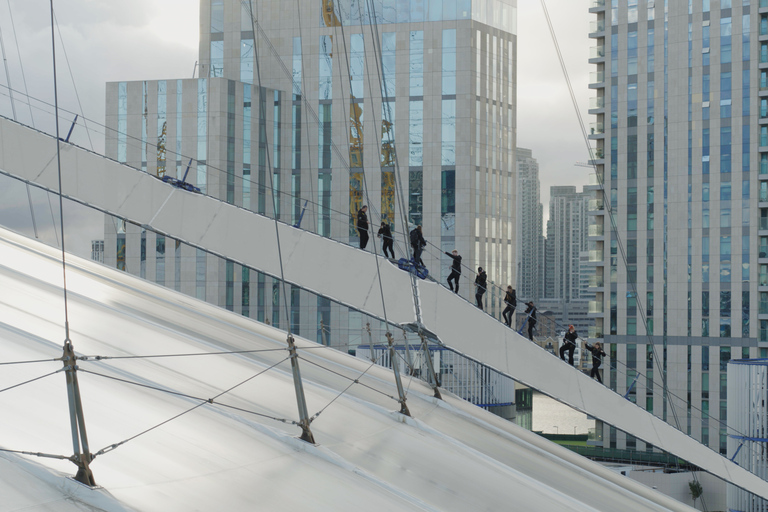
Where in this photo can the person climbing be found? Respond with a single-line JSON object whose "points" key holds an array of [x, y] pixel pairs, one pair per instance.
{"points": [[597, 359], [455, 270], [362, 226], [385, 233], [531, 313], [569, 344], [417, 243], [480, 284], [511, 301]]}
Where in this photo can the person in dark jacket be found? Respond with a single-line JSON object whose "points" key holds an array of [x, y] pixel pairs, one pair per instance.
{"points": [[569, 344], [455, 270], [362, 226], [385, 233], [480, 283], [597, 359], [417, 243], [530, 311], [511, 301]]}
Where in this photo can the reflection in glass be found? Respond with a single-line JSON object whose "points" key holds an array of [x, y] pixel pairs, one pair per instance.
{"points": [[449, 62], [388, 197], [246, 61], [415, 133], [326, 68], [388, 61], [355, 200], [387, 133], [448, 147], [217, 59], [202, 132], [246, 146], [217, 16], [416, 63], [324, 203], [415, 197], [122, 121]]}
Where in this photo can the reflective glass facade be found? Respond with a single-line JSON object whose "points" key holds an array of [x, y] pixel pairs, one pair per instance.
{"points": [[306, 121]]}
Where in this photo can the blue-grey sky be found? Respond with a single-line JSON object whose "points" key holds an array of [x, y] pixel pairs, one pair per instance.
{"points": [[107, 41]]}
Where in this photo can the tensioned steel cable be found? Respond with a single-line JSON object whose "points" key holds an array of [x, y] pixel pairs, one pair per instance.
{"points": [[58, 163], [31, 380], [21, 65], [270, 170], [74, 85], [156, 356], [203, 402], [211, 401]]}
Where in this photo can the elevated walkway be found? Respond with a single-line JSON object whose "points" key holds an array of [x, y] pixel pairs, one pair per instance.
{"points": [[345, 274]]}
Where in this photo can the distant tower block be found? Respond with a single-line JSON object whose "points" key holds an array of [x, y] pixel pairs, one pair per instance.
{"points": [[748, 422]]}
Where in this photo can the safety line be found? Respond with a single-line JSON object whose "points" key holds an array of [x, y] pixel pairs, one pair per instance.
{"points": [[203, 402], [31, 380]]}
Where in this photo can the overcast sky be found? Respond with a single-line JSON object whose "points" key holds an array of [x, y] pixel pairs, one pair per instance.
{"points": [[107, 40]]}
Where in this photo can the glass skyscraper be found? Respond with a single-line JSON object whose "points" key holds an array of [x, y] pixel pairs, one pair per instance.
{"points": [[306, 111], [677, 228]]}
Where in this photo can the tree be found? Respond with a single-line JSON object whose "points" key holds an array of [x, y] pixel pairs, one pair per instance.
{"points": [[696, 490]]}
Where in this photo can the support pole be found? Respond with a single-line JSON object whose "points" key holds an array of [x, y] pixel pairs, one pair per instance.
{"points": [[396, 369], [82, 456], [433, 380], [306, 433]]}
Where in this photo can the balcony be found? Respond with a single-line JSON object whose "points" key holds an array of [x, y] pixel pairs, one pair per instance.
{"points": [[595, 307], [597, 102], [763, 307], [596, 128], [597, 26], [596, 179], [596, 77], [598, 256], [762, 279], [596, 230], [763, 252], [597, 52], [601, 3], [597, 205], [763, 223], [596, 281]]}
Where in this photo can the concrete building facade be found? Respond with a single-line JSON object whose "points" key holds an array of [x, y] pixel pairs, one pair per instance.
{"points": [[677, 218]]}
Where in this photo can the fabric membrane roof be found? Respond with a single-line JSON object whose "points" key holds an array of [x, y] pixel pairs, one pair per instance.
{"points": [[450, 456]]}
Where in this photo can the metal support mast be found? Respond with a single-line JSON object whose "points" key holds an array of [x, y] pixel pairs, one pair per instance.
{"points": [[82, 455], [301, 402], [434, 381], [396, 370]]}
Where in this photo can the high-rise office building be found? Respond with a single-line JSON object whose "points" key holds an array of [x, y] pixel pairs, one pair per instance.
{"points": [[315, 108], [530, 239], [566, 239], [682, 156]]}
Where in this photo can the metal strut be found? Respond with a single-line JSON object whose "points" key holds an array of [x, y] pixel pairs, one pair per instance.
{"points": [[434, 381], [306, 433], [82, 457], [396, 370]]}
